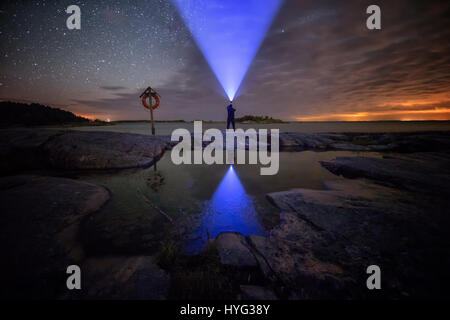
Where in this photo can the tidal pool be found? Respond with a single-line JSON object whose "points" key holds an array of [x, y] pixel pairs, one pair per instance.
{"points": [[205, 200]]}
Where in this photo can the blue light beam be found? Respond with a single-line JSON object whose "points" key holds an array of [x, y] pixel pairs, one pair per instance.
{"points": [[231, 209], [229, 34]]}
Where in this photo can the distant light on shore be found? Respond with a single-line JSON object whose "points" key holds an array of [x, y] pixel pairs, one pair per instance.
{"points": [[87, 116]]}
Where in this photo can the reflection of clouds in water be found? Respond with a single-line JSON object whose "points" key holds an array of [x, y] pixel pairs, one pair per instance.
{"points": [[230, 209]]}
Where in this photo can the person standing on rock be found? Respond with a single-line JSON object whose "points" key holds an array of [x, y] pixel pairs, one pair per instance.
{"points": [[230, 118]]}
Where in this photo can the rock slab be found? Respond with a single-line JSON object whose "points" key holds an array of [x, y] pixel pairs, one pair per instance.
{"points": [[40, 222], [76, 150]]}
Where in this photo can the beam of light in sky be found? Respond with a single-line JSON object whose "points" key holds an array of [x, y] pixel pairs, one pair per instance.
{"points": [[230, 209], [229, 34]]}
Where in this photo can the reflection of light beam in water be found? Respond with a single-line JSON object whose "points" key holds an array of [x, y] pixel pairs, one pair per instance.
{"points": [[230, 209], [229, 33]]}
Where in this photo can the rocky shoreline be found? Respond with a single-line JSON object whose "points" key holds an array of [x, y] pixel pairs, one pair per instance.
{"points": [[24, 149], [75, 150], [390, 211]]}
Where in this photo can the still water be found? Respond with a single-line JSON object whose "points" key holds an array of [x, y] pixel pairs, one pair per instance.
{"points": [[205, 200]]}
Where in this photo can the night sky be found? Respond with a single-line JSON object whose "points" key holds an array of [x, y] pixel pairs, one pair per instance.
{"points": [[317, 62]]}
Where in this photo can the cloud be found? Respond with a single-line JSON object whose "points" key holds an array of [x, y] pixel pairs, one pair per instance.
{"points": [[113, 88], [320, 60], [335, 65]]}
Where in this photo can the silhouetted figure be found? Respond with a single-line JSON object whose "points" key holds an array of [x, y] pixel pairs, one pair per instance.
{"points": [[230, 118]]}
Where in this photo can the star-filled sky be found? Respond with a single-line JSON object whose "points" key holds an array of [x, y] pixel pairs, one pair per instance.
{"points": [[317, 62]]}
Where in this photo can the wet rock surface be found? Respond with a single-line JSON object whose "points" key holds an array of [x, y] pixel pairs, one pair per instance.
{"points": [[41, 219], [107, 232], [256, 293], [392, 213], [394, 142], [41, 234], [124, 278], [22, 149], [76, 150], [412, 174], [233, 250], [403, 142], [296, 141], [103, 150], [79, 150]]}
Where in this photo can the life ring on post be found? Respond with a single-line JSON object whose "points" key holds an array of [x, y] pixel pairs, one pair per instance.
{"points": [[144, 100]]}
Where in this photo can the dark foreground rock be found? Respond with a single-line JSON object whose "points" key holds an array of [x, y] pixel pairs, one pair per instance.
{"points": [[403, 142], [40, 219], [24, 149], [41, 233], [393, 213], [117, 277], [111, 232], [411, 173], [256, 293], [393, 142], [233, 250], [396, 218], [103, 150], [350, 141]]}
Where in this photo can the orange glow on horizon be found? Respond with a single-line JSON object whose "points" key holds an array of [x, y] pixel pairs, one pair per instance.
{"points": [[403, 115], [88, 116]]}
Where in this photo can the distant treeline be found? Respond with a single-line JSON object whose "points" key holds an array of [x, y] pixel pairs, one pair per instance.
{"points": [[14, 114], [146, 121], [258, 119]]}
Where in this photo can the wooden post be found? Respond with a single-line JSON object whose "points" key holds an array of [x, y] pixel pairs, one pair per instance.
{"points": [[148, 93], [151, 115]]}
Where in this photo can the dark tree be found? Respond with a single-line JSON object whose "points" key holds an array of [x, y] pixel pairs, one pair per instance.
{"points": [[21, 114]]}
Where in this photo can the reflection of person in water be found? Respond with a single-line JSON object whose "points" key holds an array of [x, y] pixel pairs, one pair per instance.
{"points": [[230, 118]]}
